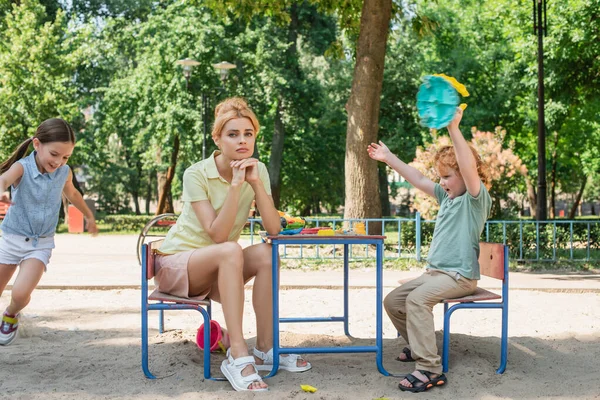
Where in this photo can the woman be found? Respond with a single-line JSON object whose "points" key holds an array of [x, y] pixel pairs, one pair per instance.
{"points": [[200, 256]]}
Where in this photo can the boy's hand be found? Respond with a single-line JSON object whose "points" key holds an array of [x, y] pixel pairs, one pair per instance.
{"points": [[456, 120], [379, 152]]}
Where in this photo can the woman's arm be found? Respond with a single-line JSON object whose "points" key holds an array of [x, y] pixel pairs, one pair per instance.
{"points": [[219, 226], [264, 202], [73, 195], [270, 217]]}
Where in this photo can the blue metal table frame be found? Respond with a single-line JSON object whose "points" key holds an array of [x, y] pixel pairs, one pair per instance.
{"points": [[346, 241]]}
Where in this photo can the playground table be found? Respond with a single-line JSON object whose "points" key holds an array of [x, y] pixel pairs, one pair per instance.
{"points": [[346, 241]]}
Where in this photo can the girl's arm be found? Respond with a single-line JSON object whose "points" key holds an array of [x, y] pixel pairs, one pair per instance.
{"points": [[380, 152], [464, 156], [76, 199], [14, 174]]}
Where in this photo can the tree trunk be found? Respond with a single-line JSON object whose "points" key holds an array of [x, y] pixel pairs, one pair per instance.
{"points": [[531, 196], [165, 204], [361, 178], [553, 178], [384, 193], [277, 144], [578, 199], [276, 156], [149, 192], [135, 190]]}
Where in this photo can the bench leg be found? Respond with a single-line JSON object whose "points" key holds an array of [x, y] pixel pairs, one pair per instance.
{"points": [[145, 367], [503, 341], [206, 352], [161, 321], [446, 341]]}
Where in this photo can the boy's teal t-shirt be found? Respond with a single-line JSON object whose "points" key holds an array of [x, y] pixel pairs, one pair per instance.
{"points": [[458, 227]]}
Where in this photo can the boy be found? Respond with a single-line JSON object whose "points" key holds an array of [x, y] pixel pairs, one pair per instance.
{"points": [[453, 269]]}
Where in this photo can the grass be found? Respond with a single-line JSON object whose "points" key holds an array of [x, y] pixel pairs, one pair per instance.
{"points": [[104, 229]]}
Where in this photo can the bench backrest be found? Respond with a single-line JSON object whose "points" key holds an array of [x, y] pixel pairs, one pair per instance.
{"points": [[491, 260], [150, 252]]}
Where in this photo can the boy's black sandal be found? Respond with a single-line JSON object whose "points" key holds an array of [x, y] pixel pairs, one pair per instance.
{"points": [[420, 386], [408, 355]]}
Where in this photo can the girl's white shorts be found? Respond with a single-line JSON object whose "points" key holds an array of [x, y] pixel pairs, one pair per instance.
{"points": [[15, 249]]}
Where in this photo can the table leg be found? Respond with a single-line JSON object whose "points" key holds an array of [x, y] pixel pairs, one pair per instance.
{"points": [[346, 272], [275, 289], [378, 309]]}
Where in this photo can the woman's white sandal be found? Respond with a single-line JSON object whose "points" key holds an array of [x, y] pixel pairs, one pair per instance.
{"points": [[232, 369], [288, 362]]}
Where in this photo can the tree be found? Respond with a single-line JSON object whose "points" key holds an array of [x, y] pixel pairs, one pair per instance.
{"points": [[362, 183], [146, 104], [37, 63], [361, 178]]}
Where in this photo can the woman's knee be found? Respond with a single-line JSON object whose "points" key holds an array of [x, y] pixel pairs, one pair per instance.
{"points": [[264, 255], [231, 252], [257, 258]]}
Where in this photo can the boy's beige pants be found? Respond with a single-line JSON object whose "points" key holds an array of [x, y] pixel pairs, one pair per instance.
{"points": [[410, 309]]}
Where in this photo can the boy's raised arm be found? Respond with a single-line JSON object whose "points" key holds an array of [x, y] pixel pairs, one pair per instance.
{"points": [[380, 152], [464, 156]]}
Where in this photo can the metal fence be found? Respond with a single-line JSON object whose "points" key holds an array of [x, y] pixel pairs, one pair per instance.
{"points": [[528, 240]]}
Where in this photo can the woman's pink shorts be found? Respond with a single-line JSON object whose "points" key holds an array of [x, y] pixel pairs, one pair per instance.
{"points": [[171, 275]]}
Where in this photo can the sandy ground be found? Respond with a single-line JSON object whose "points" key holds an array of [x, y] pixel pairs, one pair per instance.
{"points": [[82, 344]]}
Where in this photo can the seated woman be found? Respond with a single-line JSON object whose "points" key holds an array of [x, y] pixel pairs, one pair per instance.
{"points": [[200, 256]]}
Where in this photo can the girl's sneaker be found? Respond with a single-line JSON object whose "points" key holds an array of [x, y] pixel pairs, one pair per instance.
{"points": [[8, 328]]}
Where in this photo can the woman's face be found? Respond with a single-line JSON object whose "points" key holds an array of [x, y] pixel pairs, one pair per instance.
{"points": [[237, 139]]}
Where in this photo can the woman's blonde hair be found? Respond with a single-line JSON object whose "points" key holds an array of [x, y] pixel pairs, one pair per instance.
{"points": [[446, 157], [232, 108]]}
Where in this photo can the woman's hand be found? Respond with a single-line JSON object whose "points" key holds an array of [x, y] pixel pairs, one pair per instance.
{"points": [[245, 170], [379, 152], [248, 168]]}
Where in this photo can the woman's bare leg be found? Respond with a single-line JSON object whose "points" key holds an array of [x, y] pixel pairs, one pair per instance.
{"points": [[219, 267], [257, 264]]}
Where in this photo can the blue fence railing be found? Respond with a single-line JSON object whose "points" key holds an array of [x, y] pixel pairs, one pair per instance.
{"points": [[528, 240]]}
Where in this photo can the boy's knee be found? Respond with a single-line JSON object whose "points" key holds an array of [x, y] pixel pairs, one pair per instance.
{"points": [[414, 301], [392, 303]]}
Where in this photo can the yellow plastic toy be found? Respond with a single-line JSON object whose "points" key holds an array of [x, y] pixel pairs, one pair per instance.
{"points": [[326, 232], [359, 228], [308, 388]]}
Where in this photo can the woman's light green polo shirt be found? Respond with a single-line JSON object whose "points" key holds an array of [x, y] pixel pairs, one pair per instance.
{"points": [[202, 181]]}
